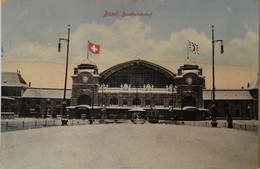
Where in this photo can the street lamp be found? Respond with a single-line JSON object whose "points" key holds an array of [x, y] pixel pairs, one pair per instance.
{"points": [[64, 122], [213, 107]]}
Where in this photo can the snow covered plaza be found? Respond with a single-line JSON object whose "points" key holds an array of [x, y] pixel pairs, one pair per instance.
{"points": [[127, 145]]}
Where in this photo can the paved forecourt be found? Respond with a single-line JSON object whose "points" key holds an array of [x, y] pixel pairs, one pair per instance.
{"points": [[129, 146]]}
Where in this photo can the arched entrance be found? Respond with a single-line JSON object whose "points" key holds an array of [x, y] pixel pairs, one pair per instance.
{"points": [[84, 99], [190, 112], [189, 101], [84, 112]]}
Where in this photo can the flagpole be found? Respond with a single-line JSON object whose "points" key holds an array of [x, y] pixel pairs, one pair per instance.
{"points": [[88, 50]]}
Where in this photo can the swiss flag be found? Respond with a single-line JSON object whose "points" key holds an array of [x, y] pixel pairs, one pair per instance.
{"points": [[93, 48]]}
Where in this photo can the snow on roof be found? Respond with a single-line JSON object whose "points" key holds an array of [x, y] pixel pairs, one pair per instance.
{"points": [[13, 79], [7, 98], [228, 95], [46, 93]]}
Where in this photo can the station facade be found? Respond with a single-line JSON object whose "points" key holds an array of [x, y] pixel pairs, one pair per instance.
{"points": [[139, 83], [133, 84]]}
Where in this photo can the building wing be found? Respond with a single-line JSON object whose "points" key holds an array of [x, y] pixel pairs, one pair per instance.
{"points": [[228, 95], [46, 93]]}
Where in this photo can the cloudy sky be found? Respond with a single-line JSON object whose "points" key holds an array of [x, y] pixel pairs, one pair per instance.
{"points": [[31, 29]]}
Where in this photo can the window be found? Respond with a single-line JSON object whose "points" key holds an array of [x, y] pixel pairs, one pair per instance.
{"points": [[113, 101], [58, 111], [148, 103], [159, 102], [136, 101], [125, 103], [237, 113], [171, 103]]}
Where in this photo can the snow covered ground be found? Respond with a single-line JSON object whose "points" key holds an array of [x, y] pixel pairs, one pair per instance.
{"points": [[128, 145]]}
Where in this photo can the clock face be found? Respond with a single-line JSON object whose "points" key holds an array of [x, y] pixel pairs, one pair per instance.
{"points": [[85, 79], [189, 80]]}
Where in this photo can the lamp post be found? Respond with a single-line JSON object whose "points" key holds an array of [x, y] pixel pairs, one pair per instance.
{"points": [[64, 122], [213, 107]]}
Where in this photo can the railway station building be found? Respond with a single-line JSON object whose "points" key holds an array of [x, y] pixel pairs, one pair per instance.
{"points": [[130, 85]]}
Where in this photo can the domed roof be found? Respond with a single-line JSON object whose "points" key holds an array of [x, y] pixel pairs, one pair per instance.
{"points": [[87, 62], [189, 62], [189, 65]]}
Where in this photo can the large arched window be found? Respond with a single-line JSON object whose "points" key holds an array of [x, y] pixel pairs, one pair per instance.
{"points": [[113, 101], [189, 101], [84, 99], [136, 101], [139, 71]]}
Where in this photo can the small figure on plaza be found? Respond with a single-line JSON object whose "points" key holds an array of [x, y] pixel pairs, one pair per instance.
{"points": [[230, 121]]}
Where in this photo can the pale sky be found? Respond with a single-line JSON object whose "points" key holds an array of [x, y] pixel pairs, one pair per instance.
{"points": [[31, 29]]}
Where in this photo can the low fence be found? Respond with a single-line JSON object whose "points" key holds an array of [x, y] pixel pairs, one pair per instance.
{"points": [[238, 126], [13, 125], [25, 125]]}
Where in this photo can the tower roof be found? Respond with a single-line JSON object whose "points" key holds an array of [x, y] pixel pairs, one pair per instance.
{"points": [[87, 64], [190, 62], [189, 67]]}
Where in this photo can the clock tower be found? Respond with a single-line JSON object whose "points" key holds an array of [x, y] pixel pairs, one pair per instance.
{"points": [[190, 84], [85, 82]]}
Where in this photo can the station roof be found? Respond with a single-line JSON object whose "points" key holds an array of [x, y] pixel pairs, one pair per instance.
{"points": [[46, 93], [13, 79], [240, 94]]}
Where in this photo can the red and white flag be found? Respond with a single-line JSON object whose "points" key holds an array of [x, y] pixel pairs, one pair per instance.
{"points": [[93, 48]]}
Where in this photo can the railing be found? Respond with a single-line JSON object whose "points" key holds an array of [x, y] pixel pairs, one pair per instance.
{"points": [[12, 125], [238, 126], [25, 125], [133, 90]]}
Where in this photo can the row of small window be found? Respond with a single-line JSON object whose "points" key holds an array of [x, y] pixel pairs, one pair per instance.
{"points": [[137, 101]]}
